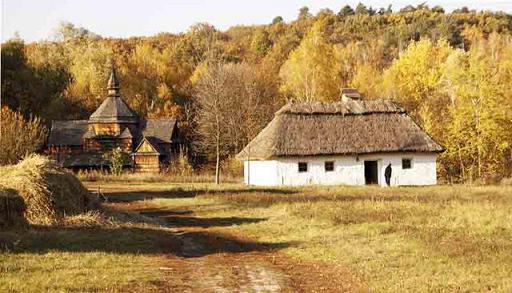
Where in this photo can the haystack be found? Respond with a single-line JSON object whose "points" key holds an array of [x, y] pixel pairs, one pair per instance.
{"points": [[12, 208], [49, 192]]}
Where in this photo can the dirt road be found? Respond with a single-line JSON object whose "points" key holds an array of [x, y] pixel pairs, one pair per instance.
{"points": [[205, 258]]}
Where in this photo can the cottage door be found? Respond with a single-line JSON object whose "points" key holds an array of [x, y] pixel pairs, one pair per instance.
{"points": [[371, 174]]}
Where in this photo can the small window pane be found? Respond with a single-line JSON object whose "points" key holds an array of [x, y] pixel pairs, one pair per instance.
{"points": [[329, 166], [303, 167], [406, 164]]}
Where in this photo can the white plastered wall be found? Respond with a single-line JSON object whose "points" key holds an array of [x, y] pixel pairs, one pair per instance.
{"points": [[347, 170]]}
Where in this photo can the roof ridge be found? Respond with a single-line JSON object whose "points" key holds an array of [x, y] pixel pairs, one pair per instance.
{"points": [[159, 119], [72, 120], [350, 107]]}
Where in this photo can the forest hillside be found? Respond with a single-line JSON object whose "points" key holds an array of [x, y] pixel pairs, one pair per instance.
{"points": [[451, 71]]}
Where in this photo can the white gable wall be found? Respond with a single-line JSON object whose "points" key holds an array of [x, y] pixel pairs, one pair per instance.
{"points": [[347, 170], [261, 173]]}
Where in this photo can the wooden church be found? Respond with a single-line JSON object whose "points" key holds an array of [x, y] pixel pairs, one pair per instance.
{"points": [[83, 144]]}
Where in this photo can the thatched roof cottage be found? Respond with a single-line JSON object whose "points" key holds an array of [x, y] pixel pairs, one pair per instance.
{"points": [[79, 144], [350, 142]]}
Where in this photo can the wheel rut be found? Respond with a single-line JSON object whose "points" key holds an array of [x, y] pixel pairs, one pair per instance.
{"points": [[217, 262]]}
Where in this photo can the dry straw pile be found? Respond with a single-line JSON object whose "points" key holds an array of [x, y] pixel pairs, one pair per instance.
{"points": [[49, 192], [12, 208]]}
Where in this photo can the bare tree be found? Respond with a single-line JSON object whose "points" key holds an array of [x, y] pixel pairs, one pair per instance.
{"points": [[212, 102], [232, 107]]}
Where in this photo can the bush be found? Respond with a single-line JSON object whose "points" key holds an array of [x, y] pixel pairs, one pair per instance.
{"points": [[48, 192], [117, 159], [180, 166], [506, 181], [232, 167], [19, 137]]}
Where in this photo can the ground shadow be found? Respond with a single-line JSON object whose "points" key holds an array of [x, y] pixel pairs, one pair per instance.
{"points": [[129, 196], [179, 219], [198, 244], [132, 234], [127, 240]]}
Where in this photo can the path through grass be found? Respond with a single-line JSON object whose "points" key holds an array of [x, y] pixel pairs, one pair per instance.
{"points": [[396, 239], [416, 239]]}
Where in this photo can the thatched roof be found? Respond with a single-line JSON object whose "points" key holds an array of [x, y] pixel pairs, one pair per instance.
{"points": [[353, 127], [114, 109]]}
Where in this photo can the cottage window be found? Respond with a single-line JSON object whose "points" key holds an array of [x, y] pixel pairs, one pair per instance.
{"points": [[329, 166], [406, 163], [303, 167]]}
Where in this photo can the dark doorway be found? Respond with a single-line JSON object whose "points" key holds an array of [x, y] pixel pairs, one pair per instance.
{"points": [[371, 176]]}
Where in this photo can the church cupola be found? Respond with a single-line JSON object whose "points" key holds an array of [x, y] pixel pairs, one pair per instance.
{"points": [[113, 115], [113, 84]]}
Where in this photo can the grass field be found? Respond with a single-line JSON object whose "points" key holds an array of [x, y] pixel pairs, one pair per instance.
{"points": [[93, 254], [391, 239], [413, 239]]}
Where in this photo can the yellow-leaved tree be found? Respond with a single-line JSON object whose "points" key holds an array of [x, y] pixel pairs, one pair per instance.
{"points": [[311, 72], [414, 79], [479, 135]]}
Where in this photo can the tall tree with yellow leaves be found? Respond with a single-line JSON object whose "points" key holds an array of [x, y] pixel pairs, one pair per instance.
{"points": [[414, 81], [480, 132], [311, 72]]}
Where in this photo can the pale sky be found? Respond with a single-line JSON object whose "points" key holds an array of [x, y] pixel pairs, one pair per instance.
{"points": [[37, 19]]}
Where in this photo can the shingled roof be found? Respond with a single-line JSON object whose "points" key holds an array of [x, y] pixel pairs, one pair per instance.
{"points": [[353, 127], [67, 133], [114, 109], [152, 142], [72, 132], [83, 160], [160, 129]]}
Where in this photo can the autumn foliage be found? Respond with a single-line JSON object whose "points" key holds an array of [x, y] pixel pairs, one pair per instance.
{"points": [[451, 71], [19, 136]]}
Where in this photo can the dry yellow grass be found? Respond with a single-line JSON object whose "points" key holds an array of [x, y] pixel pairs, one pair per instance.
{"points": [[425, 239], [127, 176], [89, 252]]}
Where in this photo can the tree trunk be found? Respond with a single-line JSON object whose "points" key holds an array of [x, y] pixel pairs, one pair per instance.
{"points": [[217, 163], [248, 165], [461, 162], [217, 166]]}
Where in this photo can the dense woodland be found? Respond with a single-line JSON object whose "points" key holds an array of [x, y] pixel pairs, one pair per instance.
{"points": [[451, 71]]}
